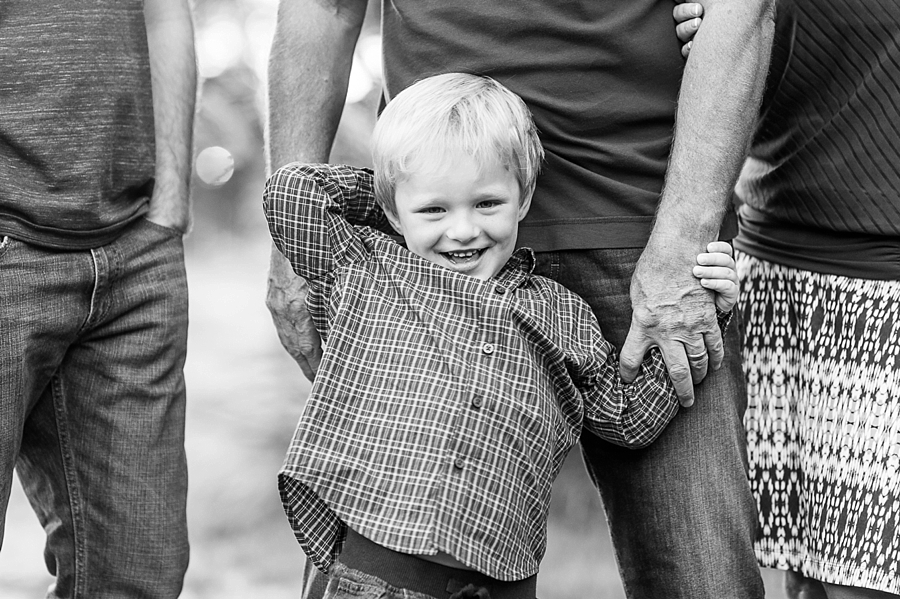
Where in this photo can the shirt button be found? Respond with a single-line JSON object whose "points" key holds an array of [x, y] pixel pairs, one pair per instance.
{"points": [[488, 348], [499, 289], [477, 402], [459, 463]]}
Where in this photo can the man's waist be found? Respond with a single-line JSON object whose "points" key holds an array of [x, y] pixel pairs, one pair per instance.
{"points": [[590, 231]]}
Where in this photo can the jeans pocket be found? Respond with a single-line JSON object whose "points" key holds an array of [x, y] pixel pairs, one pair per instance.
{"points": [[347, 583], [344, 588], [169, 231], [547, 265]]}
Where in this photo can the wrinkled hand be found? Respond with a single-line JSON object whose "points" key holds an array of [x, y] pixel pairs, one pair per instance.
{"points": [[688, 16], [286, 301], [673, 312]]}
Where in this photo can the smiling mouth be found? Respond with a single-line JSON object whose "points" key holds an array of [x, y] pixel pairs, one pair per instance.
{"points": [[463, 257]]}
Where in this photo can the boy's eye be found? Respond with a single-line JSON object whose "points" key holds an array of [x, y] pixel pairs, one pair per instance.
{"points": [[431, 210], [489, 203]]}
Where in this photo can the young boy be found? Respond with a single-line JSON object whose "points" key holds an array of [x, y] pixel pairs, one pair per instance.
{"points": [[453, 382]]}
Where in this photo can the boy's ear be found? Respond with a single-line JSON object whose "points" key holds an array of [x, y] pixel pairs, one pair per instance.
{"points": [[524, 205], [392, 218]]}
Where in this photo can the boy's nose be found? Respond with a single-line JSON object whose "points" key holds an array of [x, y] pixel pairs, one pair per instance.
{"points": [[463, 229]]}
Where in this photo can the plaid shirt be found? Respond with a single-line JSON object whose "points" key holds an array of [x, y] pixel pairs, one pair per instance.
{"points": [[444, 405]]}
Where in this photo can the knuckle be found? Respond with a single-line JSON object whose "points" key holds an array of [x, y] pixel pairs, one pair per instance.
{"points": [[679, 372], [627, 364]]}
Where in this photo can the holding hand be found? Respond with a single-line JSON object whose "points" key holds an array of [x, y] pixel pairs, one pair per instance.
{"points": [[286, 300], [716, 272], [688, 16], [671, 310]]}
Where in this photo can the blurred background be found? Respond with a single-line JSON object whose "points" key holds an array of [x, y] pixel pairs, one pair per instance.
{"points": [[244, 393]]}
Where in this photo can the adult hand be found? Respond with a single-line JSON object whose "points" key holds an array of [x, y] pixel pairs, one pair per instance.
{"points": [[286, 301], [672, 311]]}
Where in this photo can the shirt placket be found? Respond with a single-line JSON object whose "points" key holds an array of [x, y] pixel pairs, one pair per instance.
{"points": [[466, 458], [486, 344]]}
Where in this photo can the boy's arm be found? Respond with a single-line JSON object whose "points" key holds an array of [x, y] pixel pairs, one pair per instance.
{"points": [[311, 211], [631, 414]]}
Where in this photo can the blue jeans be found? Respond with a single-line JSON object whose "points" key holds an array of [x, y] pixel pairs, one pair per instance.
{"points": [[92, 345], [347, 583], [680, 512]]}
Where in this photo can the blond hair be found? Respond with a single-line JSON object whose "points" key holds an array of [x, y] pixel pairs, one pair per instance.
{"points": [[437, 118]]}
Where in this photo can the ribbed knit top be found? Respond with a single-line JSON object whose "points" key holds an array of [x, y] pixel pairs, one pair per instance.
{"points": [[822, 184]]}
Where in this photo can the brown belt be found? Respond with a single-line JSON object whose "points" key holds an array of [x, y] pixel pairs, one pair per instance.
{"points": [[406, 571]]}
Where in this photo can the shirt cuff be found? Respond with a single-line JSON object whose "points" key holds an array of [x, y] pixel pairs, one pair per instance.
{"points": [[723, 318]]}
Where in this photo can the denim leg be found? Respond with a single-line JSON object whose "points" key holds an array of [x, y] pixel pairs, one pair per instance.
{"points": [[102, 452], [680, 512], [42, 308], [315, 582]]}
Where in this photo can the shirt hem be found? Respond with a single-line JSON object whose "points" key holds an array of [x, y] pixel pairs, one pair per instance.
{"points": [[71, 240]]}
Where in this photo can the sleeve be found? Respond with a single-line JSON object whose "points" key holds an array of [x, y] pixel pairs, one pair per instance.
{"points": [[633, 414], [314, 213]]}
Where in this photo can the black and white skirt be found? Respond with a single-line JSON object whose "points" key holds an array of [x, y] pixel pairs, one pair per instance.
{"points": [[822, 360]]}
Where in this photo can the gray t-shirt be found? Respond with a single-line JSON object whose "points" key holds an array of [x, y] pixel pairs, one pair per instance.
{"points": [[76, 120]]}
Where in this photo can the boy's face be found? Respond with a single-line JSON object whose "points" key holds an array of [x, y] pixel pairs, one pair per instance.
{"points": [[462, 216]]}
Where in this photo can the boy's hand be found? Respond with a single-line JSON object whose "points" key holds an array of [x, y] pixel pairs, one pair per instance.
{"points": [[716, 272], [688, 16]]}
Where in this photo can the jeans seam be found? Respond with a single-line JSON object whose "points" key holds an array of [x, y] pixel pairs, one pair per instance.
{"points": [[72, 488], [103, 266]]}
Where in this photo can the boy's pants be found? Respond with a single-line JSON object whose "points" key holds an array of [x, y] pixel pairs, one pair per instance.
{"points": [[92, 345], [368, 571], [680, 512]]}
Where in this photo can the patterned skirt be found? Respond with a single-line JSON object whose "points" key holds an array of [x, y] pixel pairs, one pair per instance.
{"points": [[822, 359]]}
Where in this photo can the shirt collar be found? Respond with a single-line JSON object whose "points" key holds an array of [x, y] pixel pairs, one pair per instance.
{"points": [[517, 269]]}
